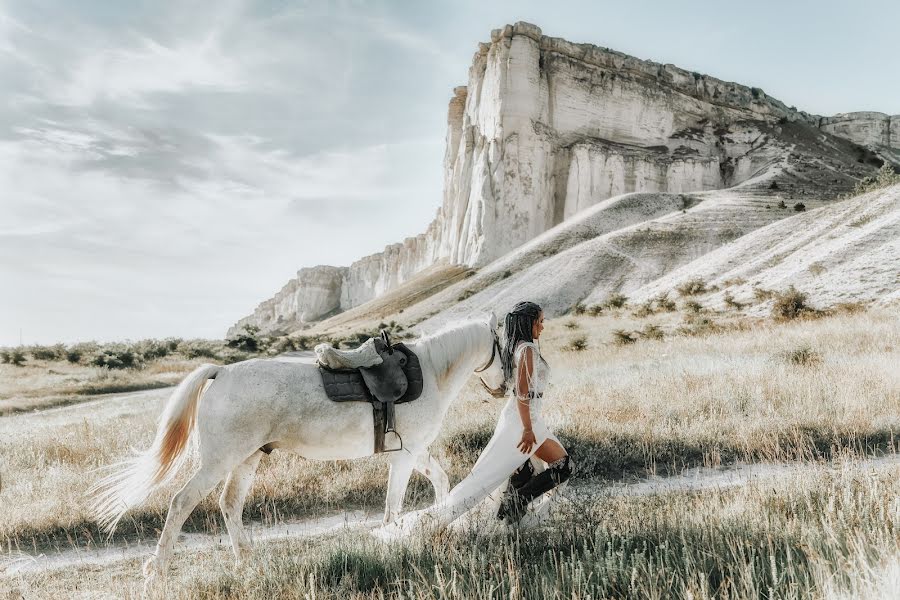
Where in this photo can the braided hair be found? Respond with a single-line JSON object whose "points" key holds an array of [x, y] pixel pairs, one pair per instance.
{"points": [[517, 326]]}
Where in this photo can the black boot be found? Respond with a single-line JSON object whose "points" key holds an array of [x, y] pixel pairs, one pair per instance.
{"points": [[519, 478], [514, 508]]}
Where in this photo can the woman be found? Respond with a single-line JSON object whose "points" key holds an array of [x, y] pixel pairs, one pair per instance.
{"points": [[520, 434]]}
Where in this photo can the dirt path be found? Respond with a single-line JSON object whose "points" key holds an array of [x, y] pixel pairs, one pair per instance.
{"points": [[691, 480]]}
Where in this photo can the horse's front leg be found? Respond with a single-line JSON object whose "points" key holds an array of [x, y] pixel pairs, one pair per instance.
{"points": [[402, 464], [428, 466]]}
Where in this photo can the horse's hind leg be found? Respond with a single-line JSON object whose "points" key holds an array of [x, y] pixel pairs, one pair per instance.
{"points": [[198, 487], [232, 502]]}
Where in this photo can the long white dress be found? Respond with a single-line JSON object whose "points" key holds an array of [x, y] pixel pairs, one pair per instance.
{"points": [[499, 459]]}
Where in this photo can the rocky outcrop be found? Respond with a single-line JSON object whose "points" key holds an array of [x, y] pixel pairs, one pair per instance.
{"points": [[871, 129], [313, 294], [546, 129]]}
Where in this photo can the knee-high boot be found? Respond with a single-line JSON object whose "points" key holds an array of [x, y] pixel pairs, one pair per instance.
{"points": [[515, 503]]}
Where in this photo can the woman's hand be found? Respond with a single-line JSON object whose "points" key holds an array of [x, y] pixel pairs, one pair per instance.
{"points": [[527, 442]]}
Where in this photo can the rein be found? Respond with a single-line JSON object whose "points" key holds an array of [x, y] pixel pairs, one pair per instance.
{"points": [[495, 350]]}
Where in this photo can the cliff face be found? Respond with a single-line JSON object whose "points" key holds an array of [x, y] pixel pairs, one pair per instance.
{"points": [[546, 129]]}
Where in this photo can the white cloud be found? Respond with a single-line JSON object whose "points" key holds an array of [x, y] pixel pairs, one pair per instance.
{"points": [[128, 74]]}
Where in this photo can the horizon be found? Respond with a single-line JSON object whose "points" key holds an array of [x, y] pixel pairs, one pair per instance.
{"points": [[171, 169]]}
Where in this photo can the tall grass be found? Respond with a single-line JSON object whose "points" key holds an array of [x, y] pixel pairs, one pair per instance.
{"points": [[653, 406], [830, 533]]}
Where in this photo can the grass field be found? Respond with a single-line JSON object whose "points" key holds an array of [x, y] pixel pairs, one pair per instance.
{"points": [[806, 390]]}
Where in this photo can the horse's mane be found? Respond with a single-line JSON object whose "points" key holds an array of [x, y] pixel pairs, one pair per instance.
{"points": [[447, 344]]}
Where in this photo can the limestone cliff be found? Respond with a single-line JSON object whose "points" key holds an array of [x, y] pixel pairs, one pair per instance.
{"points": [[546, 129]]}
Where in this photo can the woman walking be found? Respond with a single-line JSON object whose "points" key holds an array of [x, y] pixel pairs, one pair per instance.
{"points": [[521, 433]]}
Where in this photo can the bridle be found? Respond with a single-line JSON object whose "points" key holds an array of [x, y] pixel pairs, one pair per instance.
{"points": [[495, 351]]}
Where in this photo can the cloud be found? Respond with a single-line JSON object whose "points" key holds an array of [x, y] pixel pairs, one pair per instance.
{"points": [[149, 67]]}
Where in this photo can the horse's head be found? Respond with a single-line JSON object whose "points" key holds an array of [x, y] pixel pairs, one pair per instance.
{"points": [[491, 371]]}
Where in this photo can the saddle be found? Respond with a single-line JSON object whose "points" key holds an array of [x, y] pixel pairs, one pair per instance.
{"points": [[377, 372]]}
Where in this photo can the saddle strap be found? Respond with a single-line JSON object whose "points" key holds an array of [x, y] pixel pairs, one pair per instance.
{"points": [[378, 413]]}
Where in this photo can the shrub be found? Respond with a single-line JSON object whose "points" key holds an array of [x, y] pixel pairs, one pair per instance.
{"points": [[153, 349], [572, 325], [577, 344], [615, 300], [47, 352], [730, 301], [781, 204], [886, 176], [12, 356], [663, 302], [594, 310], [790, 304], [762, 294], [799, 207], [692, 287], [16, 357], [198, 349], [579, 309], [693, 306], [73, 355], [117, 356], [652, 332], [247, 341], [622, 337], [644, 310], [803, 356]]}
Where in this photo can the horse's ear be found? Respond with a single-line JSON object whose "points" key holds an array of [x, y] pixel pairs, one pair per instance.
{"points": [[492, 321]]}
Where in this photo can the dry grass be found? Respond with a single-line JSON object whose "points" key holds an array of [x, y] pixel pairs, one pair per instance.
{"points": [[656, 405], [41, 384], [828, 534]]}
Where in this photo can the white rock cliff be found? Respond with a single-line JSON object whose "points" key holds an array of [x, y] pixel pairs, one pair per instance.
{"points": [[547, 128]]}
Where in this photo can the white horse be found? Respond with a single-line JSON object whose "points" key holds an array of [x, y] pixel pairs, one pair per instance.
{"points": [[282, 404]]}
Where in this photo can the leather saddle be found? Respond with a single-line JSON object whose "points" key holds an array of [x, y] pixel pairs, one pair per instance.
{"points": [[394, 380]]}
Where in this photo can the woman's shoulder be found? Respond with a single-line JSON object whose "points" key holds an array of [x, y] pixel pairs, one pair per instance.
{"points": [[522, 345]]}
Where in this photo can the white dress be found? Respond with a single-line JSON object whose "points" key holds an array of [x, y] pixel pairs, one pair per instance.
{"points": [[499, 459]]}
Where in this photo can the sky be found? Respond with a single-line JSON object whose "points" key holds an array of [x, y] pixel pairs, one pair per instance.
{"points": [[167, 165]]}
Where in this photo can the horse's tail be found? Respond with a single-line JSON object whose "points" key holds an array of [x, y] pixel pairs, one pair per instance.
{"points": [[138, 477]]}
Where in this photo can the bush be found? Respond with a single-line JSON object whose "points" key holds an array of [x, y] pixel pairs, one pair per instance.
{"points": [[572, 325], [622, 337], [577, 344], [730, 301], [644, 310], [73, 355], [886, 176], [762, 294], [799, 207], [579, 309], [117, 356], [663, 302], [652, 332], [803, 356], [12, 356], [152, 349], [17, 357], [790, 304], [692, 287], [595, 310], [198, 349], [47, 352], [693, 306], [615, 300], [247, 341], [781, 204]]}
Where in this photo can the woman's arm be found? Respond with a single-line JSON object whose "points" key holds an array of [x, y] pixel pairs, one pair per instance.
{"points": [[523, 381]]}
